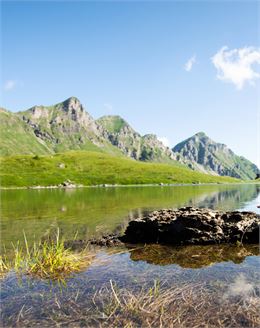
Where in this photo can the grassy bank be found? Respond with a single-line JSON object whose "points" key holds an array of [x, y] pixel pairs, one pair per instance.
{"points": [[93, 168]]}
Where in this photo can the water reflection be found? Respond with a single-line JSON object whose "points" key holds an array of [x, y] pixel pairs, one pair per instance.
{"points": [[193, 257], [95, 211]]}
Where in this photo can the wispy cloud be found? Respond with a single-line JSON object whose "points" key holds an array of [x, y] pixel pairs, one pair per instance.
{"points": [[237, 65], [10, 85], [165, 141], [189, 64]]}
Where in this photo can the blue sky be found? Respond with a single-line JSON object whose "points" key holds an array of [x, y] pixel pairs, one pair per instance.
{"points": [[160, 65]]}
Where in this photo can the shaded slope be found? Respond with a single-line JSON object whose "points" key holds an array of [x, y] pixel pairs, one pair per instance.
{"points": [[201, 153]]}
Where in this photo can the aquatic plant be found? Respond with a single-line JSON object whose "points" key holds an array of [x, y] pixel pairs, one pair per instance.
{"points": [[46, 259]]}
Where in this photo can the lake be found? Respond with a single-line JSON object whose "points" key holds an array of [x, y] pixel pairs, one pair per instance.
{"points": [[226, 276]]}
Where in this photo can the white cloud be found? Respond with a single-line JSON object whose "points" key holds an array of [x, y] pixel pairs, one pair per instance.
{"points": [[165, 141], [189, 64], [236, 65], [10, 85]]}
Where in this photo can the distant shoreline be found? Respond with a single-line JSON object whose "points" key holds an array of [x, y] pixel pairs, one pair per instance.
{"points": [[125, 185]]}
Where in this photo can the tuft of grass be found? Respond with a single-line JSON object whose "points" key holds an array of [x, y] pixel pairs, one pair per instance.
{"points": [[47, 259], [4, 267]]}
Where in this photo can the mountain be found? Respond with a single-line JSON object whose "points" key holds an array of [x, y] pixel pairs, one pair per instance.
{"points": [[16, 137], [201, 153], [131, 143], [67, 126]]}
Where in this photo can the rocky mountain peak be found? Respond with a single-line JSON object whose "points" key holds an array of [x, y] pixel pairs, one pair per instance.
{"points": [[201, 134], [72, 104], [200, 152]]}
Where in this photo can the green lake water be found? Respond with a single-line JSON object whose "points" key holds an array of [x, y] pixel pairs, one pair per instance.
{"points": [[227, 273], [94, 211]]}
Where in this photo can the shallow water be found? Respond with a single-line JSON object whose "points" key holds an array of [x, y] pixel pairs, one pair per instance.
{"points": [[227, 275]]}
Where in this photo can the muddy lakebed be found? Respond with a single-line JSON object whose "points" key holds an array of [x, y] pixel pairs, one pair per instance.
{"points": [[210, 285]]}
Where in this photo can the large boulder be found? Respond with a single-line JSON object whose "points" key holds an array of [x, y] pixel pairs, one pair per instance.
{"points": [[190, 225]]}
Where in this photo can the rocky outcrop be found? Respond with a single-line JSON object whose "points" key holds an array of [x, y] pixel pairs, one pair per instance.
{"points": [[194, 226], [201, 153]]}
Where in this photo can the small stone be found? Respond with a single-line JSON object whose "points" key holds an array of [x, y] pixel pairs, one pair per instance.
{"points": [[61, 165]]}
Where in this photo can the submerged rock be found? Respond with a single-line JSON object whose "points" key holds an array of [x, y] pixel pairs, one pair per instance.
{"points": [[190, 225]]}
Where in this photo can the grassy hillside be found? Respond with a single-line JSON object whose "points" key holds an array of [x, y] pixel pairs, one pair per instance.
{"points": [[91, 168], [16, 136]]}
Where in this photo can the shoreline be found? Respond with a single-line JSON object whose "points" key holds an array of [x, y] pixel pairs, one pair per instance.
{"points": [[127, 185]]}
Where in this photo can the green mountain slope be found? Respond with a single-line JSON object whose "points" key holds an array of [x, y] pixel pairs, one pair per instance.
{"points": [[17, 137], [201, 153], [131, 143], [92, 168], [67, 126]]}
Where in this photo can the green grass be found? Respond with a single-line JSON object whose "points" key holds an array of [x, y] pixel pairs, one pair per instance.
{"points": [[112, 123], [17, 137], [46, 259], [93, 168]]}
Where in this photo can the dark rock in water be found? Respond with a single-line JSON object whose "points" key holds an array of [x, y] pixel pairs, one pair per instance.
{"points": [[189, 225], [107, 240]]}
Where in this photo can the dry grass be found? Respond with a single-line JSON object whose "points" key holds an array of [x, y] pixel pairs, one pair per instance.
{"points": [[188, 305]]}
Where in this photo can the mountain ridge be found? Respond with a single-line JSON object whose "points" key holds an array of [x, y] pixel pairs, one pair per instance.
{"points": [[200, 152], [132, 143], [68, 126]]}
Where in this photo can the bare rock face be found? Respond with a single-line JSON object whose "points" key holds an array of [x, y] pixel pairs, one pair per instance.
{"points": [[190, 225], [201, 153], [131, 143], [65, 126]]}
